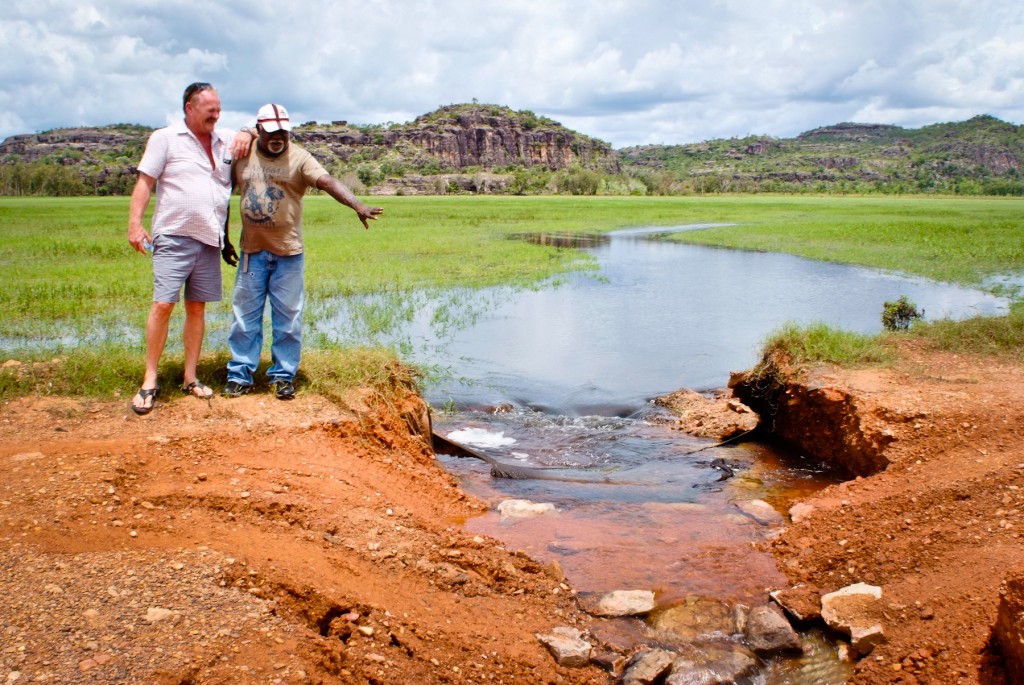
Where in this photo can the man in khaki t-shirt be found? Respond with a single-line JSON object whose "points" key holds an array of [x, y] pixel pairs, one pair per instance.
{"points": [[272, 181]]}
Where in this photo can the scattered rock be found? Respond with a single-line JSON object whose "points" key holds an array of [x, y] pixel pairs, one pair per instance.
{"points": [[760, 511], [800, 512], [613, 662], [155, 614], [648, 667], [618, 603], [27, 456], [801, 603], [856, 611], [769, 633], [522, 508], [567, 646]]}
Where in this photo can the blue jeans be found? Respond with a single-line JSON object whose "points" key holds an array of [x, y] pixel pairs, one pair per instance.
{"points": [[263, 275]]}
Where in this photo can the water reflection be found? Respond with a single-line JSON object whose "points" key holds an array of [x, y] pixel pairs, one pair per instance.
{"points": [[572, 240], [657, 316]]}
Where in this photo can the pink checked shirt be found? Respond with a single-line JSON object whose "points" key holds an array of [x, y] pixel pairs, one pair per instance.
{"points": [[192, 199]]}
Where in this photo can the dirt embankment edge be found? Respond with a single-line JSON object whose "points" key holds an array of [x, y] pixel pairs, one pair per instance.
{"points": [[250, 540], [933, 512]]}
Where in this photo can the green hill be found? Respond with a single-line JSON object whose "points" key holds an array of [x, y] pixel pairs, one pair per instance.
{"points": [[980, 156]]}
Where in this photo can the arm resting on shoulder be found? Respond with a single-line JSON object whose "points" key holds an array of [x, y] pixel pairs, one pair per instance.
{"points": [[340, 192], [143, 190], [242, 142]]}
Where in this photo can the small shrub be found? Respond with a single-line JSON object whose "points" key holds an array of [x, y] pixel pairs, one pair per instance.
{"points": [[898, 315]]}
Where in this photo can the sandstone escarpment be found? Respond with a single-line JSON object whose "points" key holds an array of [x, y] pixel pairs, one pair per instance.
{"points": [[450, 139], [459, 136], [77, 145]]}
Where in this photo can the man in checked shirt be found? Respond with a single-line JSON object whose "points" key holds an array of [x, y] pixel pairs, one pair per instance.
{"points": [[189, 166]]}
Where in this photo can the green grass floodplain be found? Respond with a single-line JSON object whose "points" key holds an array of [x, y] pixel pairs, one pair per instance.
{"points": [[69, 271]]}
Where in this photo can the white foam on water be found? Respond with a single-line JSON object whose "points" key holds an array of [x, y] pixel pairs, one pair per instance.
{"points": [[480, 437]]}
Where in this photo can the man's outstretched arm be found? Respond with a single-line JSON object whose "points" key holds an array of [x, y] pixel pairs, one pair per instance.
{"points": [[340, 192]]}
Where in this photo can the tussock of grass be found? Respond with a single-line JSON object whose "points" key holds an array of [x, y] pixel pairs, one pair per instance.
{"points": [[333, 373], [104, 373], [820, 343], [1001, 336], [997, 336]]}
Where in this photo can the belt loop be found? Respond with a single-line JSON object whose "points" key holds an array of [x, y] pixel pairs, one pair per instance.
{"points": [[245, 262]]}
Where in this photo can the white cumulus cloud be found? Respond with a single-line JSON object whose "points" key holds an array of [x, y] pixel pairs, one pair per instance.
{"points": [[644, 71]]}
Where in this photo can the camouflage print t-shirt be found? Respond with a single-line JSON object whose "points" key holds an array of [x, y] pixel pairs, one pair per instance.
{"points": [[271, 198]]}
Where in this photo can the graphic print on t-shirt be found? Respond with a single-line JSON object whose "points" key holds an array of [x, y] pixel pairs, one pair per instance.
{"points": [[260, 203], [264, 189]]}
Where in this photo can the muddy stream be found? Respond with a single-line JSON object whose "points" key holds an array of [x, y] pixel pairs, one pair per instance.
{"points": [[562, 377]]}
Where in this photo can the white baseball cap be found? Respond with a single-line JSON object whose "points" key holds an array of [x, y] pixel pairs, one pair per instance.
{"points": [[273, 118]]}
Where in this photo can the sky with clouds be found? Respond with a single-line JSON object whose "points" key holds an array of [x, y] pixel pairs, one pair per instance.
{"points": [[628, 72]]}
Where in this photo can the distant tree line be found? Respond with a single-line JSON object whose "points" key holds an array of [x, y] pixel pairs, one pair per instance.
{"points": [[58, 180], [46, 178]]}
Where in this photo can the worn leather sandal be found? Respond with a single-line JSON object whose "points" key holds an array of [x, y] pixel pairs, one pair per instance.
{"points": [[197, 389], [146, 394]]}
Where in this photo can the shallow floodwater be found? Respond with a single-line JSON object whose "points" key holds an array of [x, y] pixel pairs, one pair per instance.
{"points": [[659, 316], [562, 377]]}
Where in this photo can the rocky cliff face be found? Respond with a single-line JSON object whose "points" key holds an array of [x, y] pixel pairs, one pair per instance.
{"points": [[854, 133], [472, 139], [461, 136], [75, 145]]}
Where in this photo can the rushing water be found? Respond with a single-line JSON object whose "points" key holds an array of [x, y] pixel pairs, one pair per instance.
{"points": [[562, 377]]}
